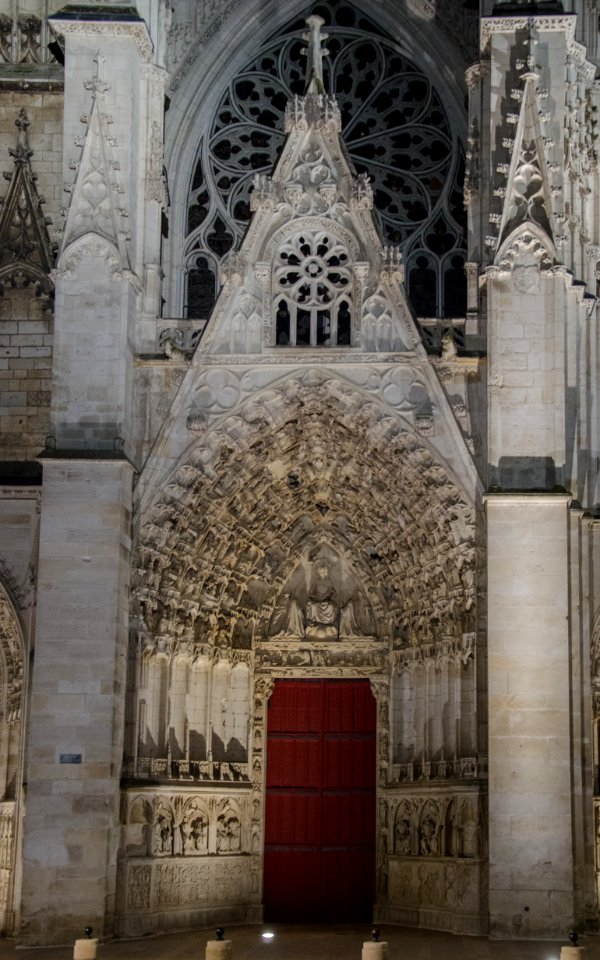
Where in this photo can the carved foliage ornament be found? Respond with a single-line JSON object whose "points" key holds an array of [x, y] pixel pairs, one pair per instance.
{"points": [[523, 256]]}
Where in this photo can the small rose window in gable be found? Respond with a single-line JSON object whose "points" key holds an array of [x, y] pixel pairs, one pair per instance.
{"points": [[312, 284]]}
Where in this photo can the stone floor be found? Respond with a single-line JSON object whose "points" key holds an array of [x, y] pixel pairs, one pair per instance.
{"points": [[313, 943]]}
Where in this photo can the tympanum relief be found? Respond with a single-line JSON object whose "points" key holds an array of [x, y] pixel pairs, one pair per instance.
{"points": [[322, 600]]}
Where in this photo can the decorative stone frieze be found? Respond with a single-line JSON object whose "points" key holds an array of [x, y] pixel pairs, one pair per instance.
{"points": [[434, 860], [135, 29], [527, 24]]}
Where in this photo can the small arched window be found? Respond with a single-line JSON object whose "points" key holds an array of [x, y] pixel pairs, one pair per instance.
{"points": [[201, 288]]}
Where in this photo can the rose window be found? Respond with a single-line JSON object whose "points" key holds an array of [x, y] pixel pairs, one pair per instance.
{"points": [[395, 128], [312, 285]]}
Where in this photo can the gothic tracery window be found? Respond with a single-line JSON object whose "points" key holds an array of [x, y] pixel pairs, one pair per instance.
{"points": [[395, 128], [312, 281]]}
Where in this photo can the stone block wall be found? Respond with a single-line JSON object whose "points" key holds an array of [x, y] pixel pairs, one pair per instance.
{"points": [[26, 327]]}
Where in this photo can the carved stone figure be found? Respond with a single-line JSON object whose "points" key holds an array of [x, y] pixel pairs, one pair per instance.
{"points": [[429, 838], [163, 835], [320, 601], [402, 837], [321, 607], [228, 833], [289, 614]]}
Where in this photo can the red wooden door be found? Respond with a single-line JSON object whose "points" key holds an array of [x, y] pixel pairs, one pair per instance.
{"points": [[320, 804]]}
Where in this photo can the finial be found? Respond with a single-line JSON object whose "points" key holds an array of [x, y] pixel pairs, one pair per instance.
{"points": [[97, 84], [99, 60], [315, 52]]}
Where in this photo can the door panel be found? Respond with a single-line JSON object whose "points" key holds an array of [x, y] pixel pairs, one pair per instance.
{"points": [[320, 804], [294, 762]]}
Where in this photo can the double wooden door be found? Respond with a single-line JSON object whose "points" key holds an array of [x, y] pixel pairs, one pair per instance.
{"points": [[320, 802]]}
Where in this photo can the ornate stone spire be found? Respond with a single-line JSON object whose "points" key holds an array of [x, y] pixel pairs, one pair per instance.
{"points": [[527, 196], [315, 51], [26, 254], [316, 108], [95, 205]]}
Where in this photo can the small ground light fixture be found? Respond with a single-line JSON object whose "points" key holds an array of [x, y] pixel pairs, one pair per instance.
{"points": [[267, 935]]}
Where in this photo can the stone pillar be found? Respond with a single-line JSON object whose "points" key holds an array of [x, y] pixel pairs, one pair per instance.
{"points": [[112, 170], [75, 740], [530, 755]]}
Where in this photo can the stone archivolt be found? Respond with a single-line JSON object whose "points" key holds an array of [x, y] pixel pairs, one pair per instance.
{"points": [[218, 546], [11, 691], [11, 662]]}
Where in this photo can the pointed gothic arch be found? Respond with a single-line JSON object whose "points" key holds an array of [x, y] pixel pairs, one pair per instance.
{"points": [[213, 215], [307, 467]]}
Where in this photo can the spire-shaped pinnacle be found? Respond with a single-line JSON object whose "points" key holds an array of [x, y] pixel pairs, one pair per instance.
{"points": [[315, 52], [316, 108]]}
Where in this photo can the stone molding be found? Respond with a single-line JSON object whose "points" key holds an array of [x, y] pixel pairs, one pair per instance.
{"points": [[563, 23], [11, 662], [133, 30]]}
